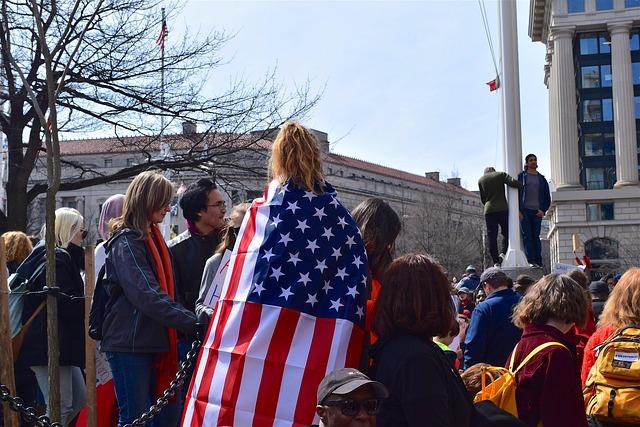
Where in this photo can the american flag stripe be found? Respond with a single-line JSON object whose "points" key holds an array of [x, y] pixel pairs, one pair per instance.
{"points": [[354, 350], [275, 363], [254, 365], [233, 374], [315, 368]]}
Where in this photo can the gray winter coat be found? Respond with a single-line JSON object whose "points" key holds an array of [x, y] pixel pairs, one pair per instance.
{"points": [[138, 315]]}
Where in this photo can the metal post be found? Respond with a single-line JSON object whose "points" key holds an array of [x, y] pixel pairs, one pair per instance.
{"points": [[510, 97], [11, 418], [90, 345]]}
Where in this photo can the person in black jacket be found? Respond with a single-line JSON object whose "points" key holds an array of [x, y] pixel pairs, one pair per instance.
{"points": [[69, 234], [424, 388], [141, 316]]}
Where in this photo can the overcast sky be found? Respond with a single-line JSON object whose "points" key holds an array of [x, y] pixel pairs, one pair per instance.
{"points": [[403, 83]]}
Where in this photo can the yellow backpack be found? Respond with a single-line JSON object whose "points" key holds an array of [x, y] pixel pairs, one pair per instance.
{"points": [[612, 391], [502, 390]]}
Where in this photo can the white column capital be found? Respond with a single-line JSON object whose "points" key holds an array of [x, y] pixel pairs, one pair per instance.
{"points": [[619, 27], [565, 32]]}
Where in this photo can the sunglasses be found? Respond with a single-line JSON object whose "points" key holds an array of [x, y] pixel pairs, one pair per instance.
{"points": [[351, 408]]}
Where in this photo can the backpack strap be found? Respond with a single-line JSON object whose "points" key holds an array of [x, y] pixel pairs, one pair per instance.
{"points": [[535, 351], [513, 356]]}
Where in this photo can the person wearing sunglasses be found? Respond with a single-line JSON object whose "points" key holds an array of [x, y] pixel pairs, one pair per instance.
{"points": [[348, 398]]}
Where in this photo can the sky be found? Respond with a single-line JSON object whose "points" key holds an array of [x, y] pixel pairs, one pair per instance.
{"points": [[402, 82]]}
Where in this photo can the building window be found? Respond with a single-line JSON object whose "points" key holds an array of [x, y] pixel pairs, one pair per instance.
{"points": [[604, 4], [600, 178], [600, 211], [597, 110], [605, 76], [108, 163], [607, 110], [69, 202], [635, 40], [598, 144], [637, 98], [575, 6], [131, 162], [594, 43], [635, 71], [631, 3], [590, 76]]}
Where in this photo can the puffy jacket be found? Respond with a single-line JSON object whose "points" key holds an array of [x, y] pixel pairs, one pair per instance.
{"points": [[544, 196], [138, 312], [69, 263]]}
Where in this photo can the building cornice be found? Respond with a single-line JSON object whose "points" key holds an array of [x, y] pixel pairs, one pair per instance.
{"points": [[539, 14]]}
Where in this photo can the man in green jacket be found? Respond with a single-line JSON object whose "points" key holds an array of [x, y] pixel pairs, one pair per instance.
{"points": [[496, 210]]}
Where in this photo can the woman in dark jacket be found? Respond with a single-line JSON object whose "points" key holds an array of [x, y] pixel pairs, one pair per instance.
{"points": [[69, 233], [414, 306], [141, 318]]}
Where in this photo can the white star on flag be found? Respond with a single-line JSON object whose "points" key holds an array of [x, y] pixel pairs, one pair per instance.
{"points": [[293, 258], [336, 253], [319, 213], [327, 286], [302, 225], [284, 238], [286, 293], [304, 278], [356, 261], [327, 233], [293, 207], [258, 288], [342, 273], [342, 222], [276, 220], [309, 195], [312, 246], [334, 202], [322, 266], [312, 299], [268, 254], [352, 291], [335, 305], [359, 312], [276, 272], [350, 241]]}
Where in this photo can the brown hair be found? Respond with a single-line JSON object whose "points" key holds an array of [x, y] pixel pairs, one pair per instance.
{"points": [[295, 156], [623, 306], [415, 298], [18, 246], [229, 235], [148, 192], [380, 226], [472, 378], [554, 297], [580, 277]]}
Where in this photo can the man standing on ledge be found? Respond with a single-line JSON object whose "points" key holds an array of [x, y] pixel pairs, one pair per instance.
{"points": [[496, 210], [535, 199]]}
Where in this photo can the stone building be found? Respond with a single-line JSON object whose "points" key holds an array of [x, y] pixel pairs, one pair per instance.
{"points": [[411, 195], [592, 73]]}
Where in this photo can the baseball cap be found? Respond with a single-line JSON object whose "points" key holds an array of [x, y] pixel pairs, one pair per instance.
{"points": [[464, 290], [492, 275], [346, 380], [470, 269]]}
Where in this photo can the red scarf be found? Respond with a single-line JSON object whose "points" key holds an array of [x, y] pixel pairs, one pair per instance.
{"points": [[165, 364]]}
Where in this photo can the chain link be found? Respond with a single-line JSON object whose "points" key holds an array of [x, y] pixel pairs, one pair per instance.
{"points": [[29, 413]]}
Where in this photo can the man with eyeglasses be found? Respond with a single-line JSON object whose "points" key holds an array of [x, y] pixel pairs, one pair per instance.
{"points": [[348, 398], [204, 208]]}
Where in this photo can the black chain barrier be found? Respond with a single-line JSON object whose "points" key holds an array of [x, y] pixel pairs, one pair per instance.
{"points": [[29, 413]]}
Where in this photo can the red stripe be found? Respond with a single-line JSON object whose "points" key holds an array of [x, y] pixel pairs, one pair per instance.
{"points": [[245, 241], [248, 326], [314, 370], [354, 351], [202, 397], [274, 363]]}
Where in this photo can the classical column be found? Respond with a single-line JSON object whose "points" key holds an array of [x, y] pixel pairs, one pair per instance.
{"points": [[564, 121], [553, 139], [623, 106]]}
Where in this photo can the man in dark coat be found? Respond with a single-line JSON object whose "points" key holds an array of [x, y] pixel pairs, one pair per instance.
{"points": [[496, 210]]}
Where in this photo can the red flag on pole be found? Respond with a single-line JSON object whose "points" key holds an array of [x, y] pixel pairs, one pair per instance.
{"points": [[493, 85], [164, 31]]}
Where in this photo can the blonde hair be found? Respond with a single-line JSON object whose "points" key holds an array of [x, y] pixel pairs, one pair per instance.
{"points": [[148, 192], [18, 246], [295, 156], [68, 222], [554, 297], [623, 306]]}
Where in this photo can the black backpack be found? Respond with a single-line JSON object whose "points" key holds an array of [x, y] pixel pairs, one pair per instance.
{"points": [[101, 300]]}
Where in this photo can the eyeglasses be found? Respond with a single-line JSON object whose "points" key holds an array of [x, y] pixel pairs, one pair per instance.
{"points": [[220, 205], [351, 408]]}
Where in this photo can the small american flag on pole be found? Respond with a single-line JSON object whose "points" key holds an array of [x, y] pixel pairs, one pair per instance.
{"points": [[164, 32], [291, 310]]}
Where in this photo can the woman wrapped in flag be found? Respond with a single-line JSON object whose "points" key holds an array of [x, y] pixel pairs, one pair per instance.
{"points": [[292, 305]]}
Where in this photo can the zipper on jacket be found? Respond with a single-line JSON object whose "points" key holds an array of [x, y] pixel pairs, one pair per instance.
{"points": [[135, 328]]}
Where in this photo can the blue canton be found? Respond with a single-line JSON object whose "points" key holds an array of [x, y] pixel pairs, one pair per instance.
{"points": [[312, 258]]}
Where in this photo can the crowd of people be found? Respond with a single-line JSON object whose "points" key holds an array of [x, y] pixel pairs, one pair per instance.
{"points": [[430, 341]]}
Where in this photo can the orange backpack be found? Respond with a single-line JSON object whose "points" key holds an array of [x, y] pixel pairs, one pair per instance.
{"points": [[502, 390]]}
